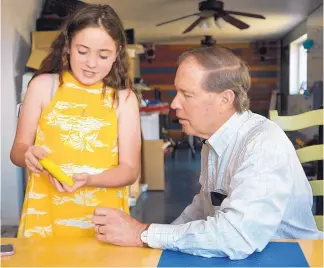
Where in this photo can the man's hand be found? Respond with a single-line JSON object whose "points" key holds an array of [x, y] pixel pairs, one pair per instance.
{"points": [[116, 227]]}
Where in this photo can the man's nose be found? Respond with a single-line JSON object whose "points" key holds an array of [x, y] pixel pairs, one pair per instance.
{"points": [[174, 104]]}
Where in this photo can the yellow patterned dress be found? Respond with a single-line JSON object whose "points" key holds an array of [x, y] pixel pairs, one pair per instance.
{"points": [[78, 129]]}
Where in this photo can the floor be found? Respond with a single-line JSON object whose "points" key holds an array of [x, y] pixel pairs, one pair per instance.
{"points": [[9, 231], [181, 184]]}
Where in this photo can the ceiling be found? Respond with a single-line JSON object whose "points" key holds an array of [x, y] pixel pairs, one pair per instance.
{"points": [[143, 15]]}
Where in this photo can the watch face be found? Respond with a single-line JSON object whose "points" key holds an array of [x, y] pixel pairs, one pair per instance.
{"points": [[144, 237]]}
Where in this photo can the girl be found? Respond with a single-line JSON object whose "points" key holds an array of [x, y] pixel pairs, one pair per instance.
{"points": [[80, 112]]}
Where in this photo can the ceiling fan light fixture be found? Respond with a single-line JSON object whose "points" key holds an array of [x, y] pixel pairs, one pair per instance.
{"points": [[205, 24], [213, 9], [220, 22]]}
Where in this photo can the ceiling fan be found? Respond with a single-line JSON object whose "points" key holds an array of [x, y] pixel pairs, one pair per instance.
{"points": [[215, 8]]}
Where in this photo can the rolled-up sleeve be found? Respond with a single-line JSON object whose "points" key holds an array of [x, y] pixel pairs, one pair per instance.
{"points": [[247, 219]]}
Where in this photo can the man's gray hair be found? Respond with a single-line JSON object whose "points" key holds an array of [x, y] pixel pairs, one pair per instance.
{"points": [[224, 71]]}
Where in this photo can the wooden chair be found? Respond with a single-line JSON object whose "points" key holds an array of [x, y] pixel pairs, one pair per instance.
{"points": [[308, 153]]}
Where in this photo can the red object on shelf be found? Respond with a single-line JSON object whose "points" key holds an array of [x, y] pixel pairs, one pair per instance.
{"points": [[154, 108]]}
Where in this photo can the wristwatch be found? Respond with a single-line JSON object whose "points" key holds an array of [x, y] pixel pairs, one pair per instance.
{"points": [[144, 238]]}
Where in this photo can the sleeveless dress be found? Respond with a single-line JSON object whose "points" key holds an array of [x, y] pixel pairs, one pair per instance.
{"points": [[78, 129]]}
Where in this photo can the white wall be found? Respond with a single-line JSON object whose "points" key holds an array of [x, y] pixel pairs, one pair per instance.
{"points": [[18, 19], [297, 103], [297, 32], [315, 55]]}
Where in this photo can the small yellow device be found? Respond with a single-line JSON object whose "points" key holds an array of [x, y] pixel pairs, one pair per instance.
{"points": [[56, 172]]}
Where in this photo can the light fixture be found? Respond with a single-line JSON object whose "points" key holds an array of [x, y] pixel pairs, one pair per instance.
{"points": [[149, 52], [207, 23], [204, 24], [220, 22]]}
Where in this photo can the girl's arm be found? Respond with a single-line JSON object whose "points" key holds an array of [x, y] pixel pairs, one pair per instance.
{"points": [[38, 90], [129, 140]]}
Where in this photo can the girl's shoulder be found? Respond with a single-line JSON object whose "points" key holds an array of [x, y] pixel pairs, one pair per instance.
{"points": [[43, 82], [42, 86], [127, 101], [126, 95]]}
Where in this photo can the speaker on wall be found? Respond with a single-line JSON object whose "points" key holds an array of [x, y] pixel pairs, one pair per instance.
{"points": [[130, 36]]}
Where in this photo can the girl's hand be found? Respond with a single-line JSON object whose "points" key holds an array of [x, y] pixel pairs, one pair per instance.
{"points": [[80, 180], [32, 157], [60, 187]]}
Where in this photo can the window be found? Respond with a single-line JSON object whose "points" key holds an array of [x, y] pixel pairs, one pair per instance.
{"points": [[298, 66]]}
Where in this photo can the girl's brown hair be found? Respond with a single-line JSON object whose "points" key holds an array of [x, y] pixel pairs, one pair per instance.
{"points": [[90, 16]]}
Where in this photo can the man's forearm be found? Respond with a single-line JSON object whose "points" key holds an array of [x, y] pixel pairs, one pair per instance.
{"points": [[215, 237]]}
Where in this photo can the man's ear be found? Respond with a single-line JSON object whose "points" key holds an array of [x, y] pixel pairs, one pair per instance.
{"points": [[228, 97]]}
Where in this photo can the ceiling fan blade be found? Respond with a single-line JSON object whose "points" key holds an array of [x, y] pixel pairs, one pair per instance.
{"points": [[195, 14], [257, 16], [234, 21], [193, 25]]}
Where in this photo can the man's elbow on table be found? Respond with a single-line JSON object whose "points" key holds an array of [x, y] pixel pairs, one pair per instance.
{"points": [[218, 237], [234, 252]]}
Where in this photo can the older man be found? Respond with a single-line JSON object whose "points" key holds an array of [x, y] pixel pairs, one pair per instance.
{"points": [[253, 187]]}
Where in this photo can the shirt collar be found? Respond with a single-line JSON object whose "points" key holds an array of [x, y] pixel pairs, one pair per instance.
{"points": [[225, 134]]}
